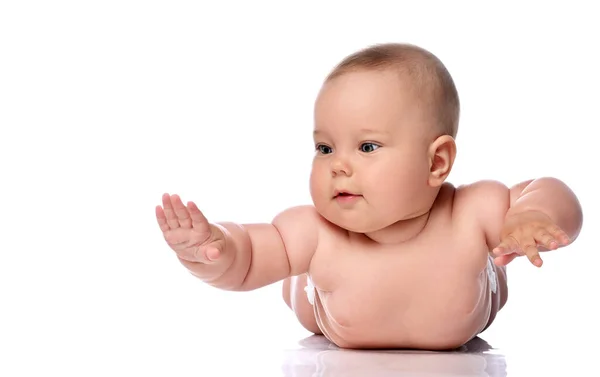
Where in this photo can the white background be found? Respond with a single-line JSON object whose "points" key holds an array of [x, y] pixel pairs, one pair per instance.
{"points": [[106, 105]]}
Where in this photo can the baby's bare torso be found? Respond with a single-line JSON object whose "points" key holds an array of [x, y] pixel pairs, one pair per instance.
{"points": [[432, 291]]}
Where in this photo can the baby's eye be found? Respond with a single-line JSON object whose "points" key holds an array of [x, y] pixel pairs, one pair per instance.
{"points": [[368, 147], [324, 149]]}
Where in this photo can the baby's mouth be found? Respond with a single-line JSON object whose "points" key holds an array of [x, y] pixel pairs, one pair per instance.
{"points": [[345, 195]]}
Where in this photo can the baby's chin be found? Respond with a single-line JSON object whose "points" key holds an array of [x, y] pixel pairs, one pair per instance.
{"points": [[354, 224]]}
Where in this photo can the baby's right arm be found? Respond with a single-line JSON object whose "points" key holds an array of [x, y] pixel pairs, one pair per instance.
{"points": [[239, 257]]}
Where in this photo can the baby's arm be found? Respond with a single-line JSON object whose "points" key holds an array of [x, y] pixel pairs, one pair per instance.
{"points": [[239, 257], [267, 253], [551, 197], [526, 215]]}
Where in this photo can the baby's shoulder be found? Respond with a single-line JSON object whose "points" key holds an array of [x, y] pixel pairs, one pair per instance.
{"points": [[301, 223], [480, 195], [298, 217], [299, 228], [484, 202]]}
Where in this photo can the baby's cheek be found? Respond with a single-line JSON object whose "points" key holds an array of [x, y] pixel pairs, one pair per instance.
{"points": [[318, 191], [395, 192], [390, 185], [315, 185]]}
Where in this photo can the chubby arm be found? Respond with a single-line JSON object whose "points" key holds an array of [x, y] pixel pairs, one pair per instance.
{"points": [[263, 254], [508, 213], [551, 197]]}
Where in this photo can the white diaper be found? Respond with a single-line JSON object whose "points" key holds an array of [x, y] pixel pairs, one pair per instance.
{"points": [[491, 272], [310, 290]]}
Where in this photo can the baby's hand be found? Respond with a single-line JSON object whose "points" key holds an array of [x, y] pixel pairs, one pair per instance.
{"points": [[187, 231], [523, 233]]}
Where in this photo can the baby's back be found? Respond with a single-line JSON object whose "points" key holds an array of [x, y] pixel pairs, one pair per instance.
{"points": [[431, 291]]}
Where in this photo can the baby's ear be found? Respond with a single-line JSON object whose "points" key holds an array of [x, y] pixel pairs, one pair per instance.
{"points": [[442, 153]]}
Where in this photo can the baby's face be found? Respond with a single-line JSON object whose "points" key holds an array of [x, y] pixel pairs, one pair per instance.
{"points": [[371, 144]]}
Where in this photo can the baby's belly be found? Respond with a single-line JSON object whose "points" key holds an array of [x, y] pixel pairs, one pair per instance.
{"points": [[405, 312]]}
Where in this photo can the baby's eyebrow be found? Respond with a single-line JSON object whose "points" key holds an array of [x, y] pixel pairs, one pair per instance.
{"points": [[362, 130], [373, 131]]}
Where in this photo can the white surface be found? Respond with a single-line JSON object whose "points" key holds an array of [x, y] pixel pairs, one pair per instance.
{"points": [[104, 107]]}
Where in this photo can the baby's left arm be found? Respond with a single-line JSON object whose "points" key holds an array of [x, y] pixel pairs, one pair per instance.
{"points": [[544, 214], [551, 197], [540, 214]]}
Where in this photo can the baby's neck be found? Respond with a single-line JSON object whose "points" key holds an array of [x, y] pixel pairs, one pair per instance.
{"points": [[401, 231]]}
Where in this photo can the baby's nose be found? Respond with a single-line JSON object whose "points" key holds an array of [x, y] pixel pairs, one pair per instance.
{"points": [[341, 166]]}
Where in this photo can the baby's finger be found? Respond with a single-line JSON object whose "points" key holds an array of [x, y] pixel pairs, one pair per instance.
{"points": [[201, 254], [182, 213], [212, 254], [169, 212], [507, 246], [503, 260], [199, 222], [529, 248], [161, 219], [543, 238], [559, 235]]}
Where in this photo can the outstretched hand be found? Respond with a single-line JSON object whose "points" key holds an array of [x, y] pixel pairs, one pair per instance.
{"points": [[526, 234], [187, 231]]}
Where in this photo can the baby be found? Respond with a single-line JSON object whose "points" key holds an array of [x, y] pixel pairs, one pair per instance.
{"points": [[390, 255]]}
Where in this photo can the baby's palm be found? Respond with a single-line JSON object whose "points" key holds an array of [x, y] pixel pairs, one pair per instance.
{"points": [[187, 231], [184, 239]]}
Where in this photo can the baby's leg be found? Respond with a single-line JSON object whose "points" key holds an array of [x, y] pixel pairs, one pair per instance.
{"points": [[295, 297]]}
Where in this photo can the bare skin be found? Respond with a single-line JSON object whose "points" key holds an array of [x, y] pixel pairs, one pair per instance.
{"points": [[397, 254], [439, 274]]}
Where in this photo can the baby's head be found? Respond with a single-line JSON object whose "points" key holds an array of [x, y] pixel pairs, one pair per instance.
{"points": [[385, 122]]}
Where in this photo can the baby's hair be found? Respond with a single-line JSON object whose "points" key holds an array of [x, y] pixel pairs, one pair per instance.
{"points": [[433, 83]]}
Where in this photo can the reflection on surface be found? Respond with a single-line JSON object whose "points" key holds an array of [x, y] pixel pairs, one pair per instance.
{"points": [[316, 357]]}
